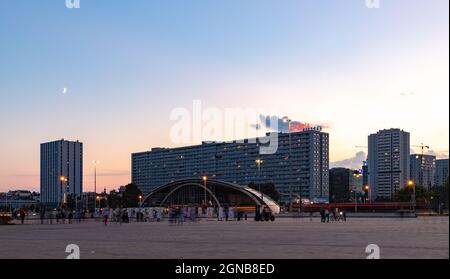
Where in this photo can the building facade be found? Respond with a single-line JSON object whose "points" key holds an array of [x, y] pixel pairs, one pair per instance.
{"points": [[299, 168], [340, 185], [441, 174], [345, 185], [423, 169], [388, 162], [61, 171]]}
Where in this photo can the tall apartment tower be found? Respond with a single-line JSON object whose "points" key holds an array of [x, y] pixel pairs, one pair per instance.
{"points": [[423, 169], [388, 162], [61, 171]]}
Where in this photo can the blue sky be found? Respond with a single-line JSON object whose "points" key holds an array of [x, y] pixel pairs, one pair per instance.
{"points": [[128, 63]]}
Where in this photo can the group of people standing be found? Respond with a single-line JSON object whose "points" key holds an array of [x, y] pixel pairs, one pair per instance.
{"points": [[118, 215], [61, 214], [326, 214]]}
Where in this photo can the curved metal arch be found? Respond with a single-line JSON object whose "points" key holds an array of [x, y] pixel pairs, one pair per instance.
{"points": [[191, 181], [252, 193], [189, 184], [240, 189]]}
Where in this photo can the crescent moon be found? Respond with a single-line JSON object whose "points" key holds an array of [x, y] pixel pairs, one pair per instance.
{"points": [[64, 90]]}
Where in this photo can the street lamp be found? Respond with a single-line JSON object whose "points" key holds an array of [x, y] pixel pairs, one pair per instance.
{"points": [[95, 163], [140, 200], [367, 189], [98, 198], [356, 175], [259, 162], [204, 178], [288, 121], [63, 181], [412, 185]]}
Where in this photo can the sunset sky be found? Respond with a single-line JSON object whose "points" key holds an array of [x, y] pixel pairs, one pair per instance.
{"points": [[126, 64]]}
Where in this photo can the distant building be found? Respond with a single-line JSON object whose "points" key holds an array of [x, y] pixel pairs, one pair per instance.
{"points": [[20, 195], [61, 171], [7, 204], [423, 169], [345, 184], [388, 162], [340, 185], [18, 199], [365, 173], [441, 174], [88, 200], [305, 173]]}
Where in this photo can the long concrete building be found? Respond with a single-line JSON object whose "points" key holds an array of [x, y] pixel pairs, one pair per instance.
{"points": [[299, 168]]}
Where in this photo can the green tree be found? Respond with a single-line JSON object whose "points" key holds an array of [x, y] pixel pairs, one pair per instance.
{"points": [[444, 195], [115, 199], [423, 195], [131, 195], [440, 197]]}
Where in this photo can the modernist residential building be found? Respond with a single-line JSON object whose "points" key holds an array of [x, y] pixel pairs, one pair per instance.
{"points": [[388, 162], [441, 174], [61, 171], [423, 169], [299, 168]]}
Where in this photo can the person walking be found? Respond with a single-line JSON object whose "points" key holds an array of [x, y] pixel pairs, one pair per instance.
{"points": [[120, 215], [51, 216], [78, 216], [105, 216], [22, 215], [125, 216], [63, 216], [322, 215], [70, 217], [42, 215], [327, 215]]}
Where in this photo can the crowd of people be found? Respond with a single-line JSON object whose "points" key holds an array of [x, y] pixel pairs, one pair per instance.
{"points": [[175, 215]]}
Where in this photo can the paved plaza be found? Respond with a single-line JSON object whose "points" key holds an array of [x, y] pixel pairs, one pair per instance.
{"points": [[424, 237]]}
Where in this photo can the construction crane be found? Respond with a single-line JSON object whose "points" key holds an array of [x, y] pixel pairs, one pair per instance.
{"points": [[422, 147]]}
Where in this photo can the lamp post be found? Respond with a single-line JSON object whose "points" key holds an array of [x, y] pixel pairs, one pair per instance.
{"points": [[288, 121], [97, 198], [204, 178], [412, 185], [140, 201], [63, 180], [258, 163], [356, 174], [367, 189], [95, 163], [236, 172]]}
